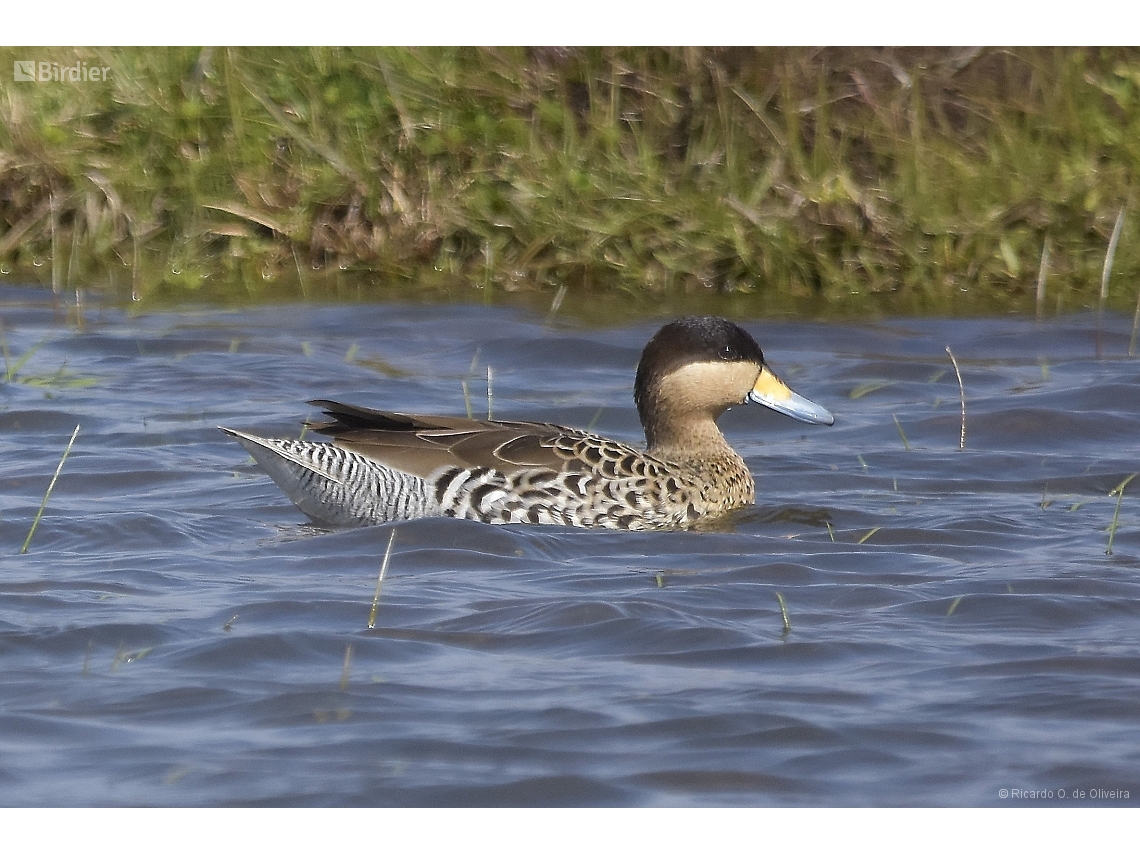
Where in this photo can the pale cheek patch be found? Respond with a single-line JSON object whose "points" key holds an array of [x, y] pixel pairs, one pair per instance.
{"points": [[708, 385]]}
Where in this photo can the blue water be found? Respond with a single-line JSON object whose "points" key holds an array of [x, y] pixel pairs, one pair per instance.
{"points": [[178, 634]]}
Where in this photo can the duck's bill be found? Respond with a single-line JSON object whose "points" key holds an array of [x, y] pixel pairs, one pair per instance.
{"points": [[773, 393]]}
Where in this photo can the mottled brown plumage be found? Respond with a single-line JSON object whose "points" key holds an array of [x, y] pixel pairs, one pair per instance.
{"points": [[382, 465]]}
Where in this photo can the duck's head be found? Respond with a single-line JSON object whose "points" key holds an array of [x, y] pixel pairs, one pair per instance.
{"points": [[694, 369]]}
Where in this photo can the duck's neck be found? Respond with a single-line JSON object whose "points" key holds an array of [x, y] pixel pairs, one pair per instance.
{"points": [[690, 439], [699, 447]]}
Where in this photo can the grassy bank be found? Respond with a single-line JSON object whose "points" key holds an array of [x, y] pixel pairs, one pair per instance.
{"points": [[936, 179]]}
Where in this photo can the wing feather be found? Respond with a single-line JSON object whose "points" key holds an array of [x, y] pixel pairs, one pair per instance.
{"points": [[421, 445]]}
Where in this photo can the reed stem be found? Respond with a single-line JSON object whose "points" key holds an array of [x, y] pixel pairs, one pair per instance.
{"points": [[380, 580], [962, 396], [1042, 271], [1109, 256], [784, 613], [51, 486], [902, 435], [1119, 491]]}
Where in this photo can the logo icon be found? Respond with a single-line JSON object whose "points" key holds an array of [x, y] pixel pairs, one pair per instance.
{"points": [[24, 70]]}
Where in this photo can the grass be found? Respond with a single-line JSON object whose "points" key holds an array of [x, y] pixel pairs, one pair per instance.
{"points": [[47, 493], [380, 581], [866, 388], [784, 613], [961, 398], [60, 379], [1110, 255], [1117, 491], [902, 435], [845, 180], [12, 367]]}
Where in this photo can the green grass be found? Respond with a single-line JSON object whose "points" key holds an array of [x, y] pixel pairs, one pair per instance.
{"points": [[784, 613], [51, 486], [902, 434], [838, 180], [1118, 491], [61, 378]]}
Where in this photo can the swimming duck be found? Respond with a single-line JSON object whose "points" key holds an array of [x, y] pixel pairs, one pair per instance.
{"points": [[383, 466]]}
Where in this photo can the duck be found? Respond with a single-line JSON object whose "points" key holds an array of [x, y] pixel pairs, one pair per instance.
{"points": [[383, 466]]}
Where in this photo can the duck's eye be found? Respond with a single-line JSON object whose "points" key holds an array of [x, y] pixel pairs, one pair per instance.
{"points": [[727, 352]]}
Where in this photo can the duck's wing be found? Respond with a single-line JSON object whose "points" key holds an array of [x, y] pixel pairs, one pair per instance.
{"points": [[420, 445]]}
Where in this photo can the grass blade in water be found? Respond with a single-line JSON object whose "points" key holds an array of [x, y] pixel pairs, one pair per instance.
{"points": [[380, 581], [1119, 491], [962, 396], [784, 613], [902, 436], [51, 486]]}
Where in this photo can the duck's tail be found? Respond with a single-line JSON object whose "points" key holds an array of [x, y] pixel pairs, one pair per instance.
{"points": [[337, 487]]}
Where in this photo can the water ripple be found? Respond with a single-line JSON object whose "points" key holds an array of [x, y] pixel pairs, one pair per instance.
{"points": [[178, 634]]}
